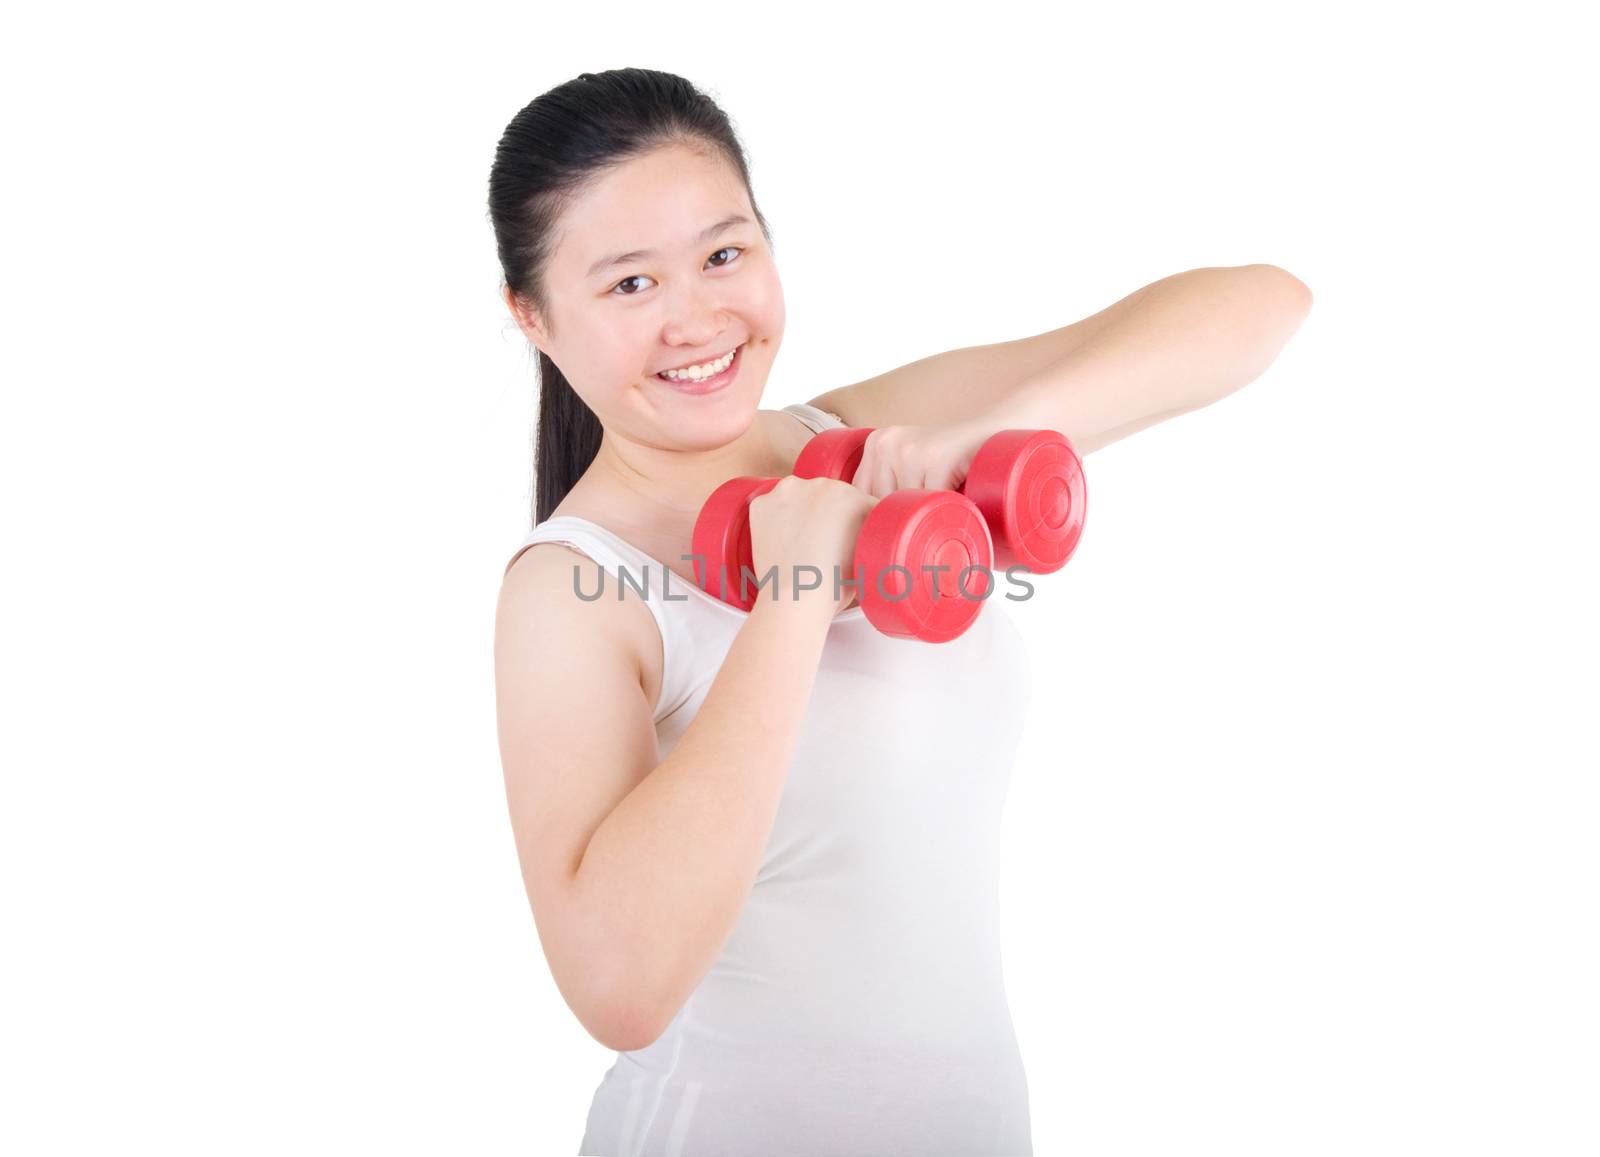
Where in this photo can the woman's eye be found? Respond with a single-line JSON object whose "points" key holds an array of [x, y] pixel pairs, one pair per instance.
{"points": [[724, 264]]}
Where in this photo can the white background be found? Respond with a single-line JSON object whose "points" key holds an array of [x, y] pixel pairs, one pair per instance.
{"points": [[1300, 851]]}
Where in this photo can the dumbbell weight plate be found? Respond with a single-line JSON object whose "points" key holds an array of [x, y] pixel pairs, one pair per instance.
{"points": [[722, 540], [916, 528], [832, 454], [1031, 489]]}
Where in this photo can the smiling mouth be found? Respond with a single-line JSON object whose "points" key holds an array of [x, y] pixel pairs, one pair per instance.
{"points": [[729, 354], [711, 382]]}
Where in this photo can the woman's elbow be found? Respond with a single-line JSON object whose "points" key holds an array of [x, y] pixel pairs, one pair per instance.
{"points": [[1297, 294]]}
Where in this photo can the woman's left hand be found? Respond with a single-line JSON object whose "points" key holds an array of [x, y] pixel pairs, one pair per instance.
{"points": [[919, 457]]}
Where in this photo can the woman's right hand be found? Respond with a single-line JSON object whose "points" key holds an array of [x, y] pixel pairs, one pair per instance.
{"points": [[811, 522]]}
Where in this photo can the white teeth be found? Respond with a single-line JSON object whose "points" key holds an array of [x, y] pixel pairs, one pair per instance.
{"points": [[700, 373]]}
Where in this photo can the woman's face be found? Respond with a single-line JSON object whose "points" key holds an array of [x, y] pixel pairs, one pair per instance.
{"points": [[695, 297]]}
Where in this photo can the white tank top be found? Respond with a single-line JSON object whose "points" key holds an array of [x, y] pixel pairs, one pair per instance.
{"points": [[858, 1006]]}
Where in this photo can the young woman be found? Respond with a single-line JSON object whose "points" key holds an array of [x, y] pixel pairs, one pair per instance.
{"points": [[761, 847]]}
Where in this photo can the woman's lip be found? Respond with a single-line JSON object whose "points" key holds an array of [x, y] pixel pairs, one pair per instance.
{"points": [[708, 385]]}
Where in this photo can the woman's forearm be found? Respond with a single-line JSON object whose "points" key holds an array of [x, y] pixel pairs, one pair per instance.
{"points": [[666, 875], [1177, 345]]}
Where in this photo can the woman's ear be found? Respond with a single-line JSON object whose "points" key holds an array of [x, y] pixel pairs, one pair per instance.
{"points": [[527, 320]]}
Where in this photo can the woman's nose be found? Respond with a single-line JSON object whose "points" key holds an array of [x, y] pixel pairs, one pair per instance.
{"points": [[698, 315]]}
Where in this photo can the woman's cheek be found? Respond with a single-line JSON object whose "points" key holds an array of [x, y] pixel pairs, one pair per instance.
{"points": [[769, 311]]}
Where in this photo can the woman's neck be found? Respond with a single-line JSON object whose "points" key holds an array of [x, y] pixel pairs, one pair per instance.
{"points": [[661, 491]]}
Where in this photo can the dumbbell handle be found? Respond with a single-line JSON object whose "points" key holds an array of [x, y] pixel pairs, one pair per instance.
{"points": [[903, 534], [1029, 484]]}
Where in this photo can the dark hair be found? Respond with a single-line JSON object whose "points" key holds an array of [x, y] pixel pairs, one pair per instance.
{"points": [[555, 147]]}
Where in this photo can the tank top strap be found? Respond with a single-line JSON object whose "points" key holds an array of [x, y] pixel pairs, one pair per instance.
{"points": [[636, 575], [814, 419]]}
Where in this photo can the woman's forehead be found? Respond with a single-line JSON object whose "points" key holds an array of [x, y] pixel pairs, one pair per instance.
{"points": [[651, 203]]}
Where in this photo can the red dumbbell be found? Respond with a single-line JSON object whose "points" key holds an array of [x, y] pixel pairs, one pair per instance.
{"points": [[912, 559], [1029, 485]]}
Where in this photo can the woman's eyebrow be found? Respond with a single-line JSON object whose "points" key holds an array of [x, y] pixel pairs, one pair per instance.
{"points": [[706, 235]]}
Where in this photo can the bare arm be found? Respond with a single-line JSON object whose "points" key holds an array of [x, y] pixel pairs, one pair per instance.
{"points": [[1171, 347], [673, 864], [636, 867]]}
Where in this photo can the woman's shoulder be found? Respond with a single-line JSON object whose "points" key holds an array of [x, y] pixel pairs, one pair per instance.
{"points": [[555, 595]]}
